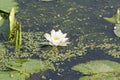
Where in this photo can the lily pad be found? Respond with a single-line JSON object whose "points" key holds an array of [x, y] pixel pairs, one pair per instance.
{"points": [[22, 69], [29, 66], [11, 75], [117, 29], [99, 70], [98, 66], [100, 77], [7, 5]]}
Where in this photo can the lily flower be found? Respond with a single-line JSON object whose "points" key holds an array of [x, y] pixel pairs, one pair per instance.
{"points": [[57, 38]]}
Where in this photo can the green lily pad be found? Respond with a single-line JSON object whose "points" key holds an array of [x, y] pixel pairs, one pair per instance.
{"points": [[12, 75], [99, 70], [98, 66], [7, 5], [29, 66], [100, 77], [117, 29], [22, 69]]}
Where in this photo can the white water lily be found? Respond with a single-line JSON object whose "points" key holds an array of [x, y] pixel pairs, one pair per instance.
{"points": [[57, 38]]}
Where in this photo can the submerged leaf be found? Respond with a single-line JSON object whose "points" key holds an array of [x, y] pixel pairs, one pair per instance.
{"points": [[22, 69]]}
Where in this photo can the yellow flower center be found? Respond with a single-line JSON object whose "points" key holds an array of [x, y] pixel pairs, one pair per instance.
{"points": [[56, 38]]}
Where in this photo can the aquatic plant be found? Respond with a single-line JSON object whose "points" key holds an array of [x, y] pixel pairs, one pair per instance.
{"points": [[22, 69], [33, 46], [98, 70], [15, 35], [2, 56], [57, 38], [75, 21], [117, 29], [10, 27], [12, 67], [116, 20]]}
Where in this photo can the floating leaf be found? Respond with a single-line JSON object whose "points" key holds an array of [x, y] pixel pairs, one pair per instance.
{"points": [[7, 5], [99, 66], [117, 29], [25, 67], [37, 66], [99, 70], [101, 77], [12, 75]]}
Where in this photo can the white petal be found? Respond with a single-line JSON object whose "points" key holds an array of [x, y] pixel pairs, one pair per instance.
{"points": [[56, 42], [53, 33], [50, 43], [59, 31], [61, 41], [64, 39], [47, 36], [64, 35]]}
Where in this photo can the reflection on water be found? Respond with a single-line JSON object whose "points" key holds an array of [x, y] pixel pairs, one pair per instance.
{"points": [[80, 19]]}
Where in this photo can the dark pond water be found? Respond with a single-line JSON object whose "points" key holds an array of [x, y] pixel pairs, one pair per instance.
{"points": [[76, 18]]}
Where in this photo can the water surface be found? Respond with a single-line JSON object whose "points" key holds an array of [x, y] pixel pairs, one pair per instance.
{"points": [[79, 19]]}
